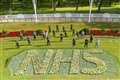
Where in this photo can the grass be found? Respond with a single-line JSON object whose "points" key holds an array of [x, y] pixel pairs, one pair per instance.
{"points": [[110, 9], [35, 26], [8, 50]]}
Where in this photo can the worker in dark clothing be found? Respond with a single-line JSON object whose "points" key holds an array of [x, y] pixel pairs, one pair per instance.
{"points": [[63, 29], [48, 41], [91, 38], [73, 42], [54, 34], [49, 28], [57, 28], [77, 34], [29, 41], [65, 33], [73, 32], [61, 37], [71, 27], [86, 43]]}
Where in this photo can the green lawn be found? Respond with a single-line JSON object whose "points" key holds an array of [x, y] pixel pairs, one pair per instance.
{"points": [[8, 50], [35, 26], [110, 9]]}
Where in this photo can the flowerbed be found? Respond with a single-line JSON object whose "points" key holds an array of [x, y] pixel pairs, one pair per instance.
{"points": [[56, 63], [104, 33], [43, 67], [100, 65], [25, 63], [75, 63], [95, 32], [82, 62]]}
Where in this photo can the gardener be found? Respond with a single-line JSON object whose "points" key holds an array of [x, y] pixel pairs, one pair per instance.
{"points": [[91, 38], [61, 37], [77, 34], [53, 33], [17, 43], [49, 28], [86, 43], [63, 29], [48, 41], [73, 42], [4, 33], [57, 28], [82, 33], [65, 33], [71, 27], [29, 41], [43, 35], [97, 42], [39, 32], [46, 34], [73, 32], [34, 35], [21, 35]]}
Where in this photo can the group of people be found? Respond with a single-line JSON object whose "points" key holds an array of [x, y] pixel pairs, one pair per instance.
{"points": [[87, 41], [63, 33]]}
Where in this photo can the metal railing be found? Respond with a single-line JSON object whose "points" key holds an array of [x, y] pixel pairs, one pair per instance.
{"points": [[61, 17]]}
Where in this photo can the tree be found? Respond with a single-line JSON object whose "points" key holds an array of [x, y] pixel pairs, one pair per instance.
{"points": [[60, 3], [54, 5], [77, 4], [100, 3]]}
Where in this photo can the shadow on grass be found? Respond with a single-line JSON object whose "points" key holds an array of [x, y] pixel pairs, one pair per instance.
{"points": [[45, 45], [10, 48]]}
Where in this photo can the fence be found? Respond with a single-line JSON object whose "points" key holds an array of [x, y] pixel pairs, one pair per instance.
{"points": [[61, 17]]}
